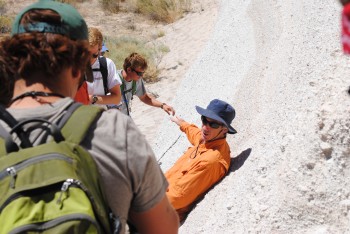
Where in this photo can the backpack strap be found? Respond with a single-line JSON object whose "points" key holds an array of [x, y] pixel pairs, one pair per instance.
{"points": [[4, 134], [11, 121], [83, 116], [133, 87], [104, 71], [68, 114], [123, 86], [76, 115]]}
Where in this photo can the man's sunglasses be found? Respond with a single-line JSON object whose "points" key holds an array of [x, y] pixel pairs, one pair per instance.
{"points": [[95, 55], [214, 125], [137, 72]]}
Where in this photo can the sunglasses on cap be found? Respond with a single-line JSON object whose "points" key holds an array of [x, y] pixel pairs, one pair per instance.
{"points": [[214, 125], [95, 55], [137, 72]]}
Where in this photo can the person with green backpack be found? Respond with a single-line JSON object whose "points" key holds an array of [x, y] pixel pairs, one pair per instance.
{"points": [[67, 167], [134, 67]]}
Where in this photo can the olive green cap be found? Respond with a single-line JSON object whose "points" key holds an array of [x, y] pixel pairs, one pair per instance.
{"points": [[72, 23]]}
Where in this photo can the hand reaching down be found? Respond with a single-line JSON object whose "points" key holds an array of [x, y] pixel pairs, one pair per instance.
{"points": [[177, 120]]}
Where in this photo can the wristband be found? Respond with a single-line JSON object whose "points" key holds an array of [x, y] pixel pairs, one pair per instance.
{"points": [[161, 107], [94, 99]]}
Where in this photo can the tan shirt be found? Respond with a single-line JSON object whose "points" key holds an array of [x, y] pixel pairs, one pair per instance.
{"points": [[131, 176]]}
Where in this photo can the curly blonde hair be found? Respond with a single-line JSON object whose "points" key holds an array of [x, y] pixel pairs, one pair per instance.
{"points": [[95, 37]]}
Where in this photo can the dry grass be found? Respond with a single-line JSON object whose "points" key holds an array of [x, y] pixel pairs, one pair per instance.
{"points": [[122, 14], [5, 24], [72, 2], [5, 21], [3, 7], [112, 6], [121, 47], [166, 11]]}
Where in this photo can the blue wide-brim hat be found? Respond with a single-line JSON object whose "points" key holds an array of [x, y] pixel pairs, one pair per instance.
{"points": [[220, 111]]}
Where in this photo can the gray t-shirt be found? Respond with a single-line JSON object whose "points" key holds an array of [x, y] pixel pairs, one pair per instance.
{"points": [[131, 176], [140, 90]]}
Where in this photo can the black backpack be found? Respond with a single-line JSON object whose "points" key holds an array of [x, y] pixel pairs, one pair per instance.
{"points": [[104, 71]]}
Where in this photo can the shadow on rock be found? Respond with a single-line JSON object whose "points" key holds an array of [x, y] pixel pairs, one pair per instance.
{"points": [[238, 161]]}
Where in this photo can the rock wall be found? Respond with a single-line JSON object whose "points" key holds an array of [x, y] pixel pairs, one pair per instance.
{"points": [[280, 64]]}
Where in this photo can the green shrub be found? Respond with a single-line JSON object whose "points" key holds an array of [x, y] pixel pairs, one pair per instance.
{"points": [[161, 33], [5, 24], [122, 47]]}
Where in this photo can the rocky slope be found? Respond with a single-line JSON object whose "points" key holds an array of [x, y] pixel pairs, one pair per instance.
{"points": [[281, 66]]}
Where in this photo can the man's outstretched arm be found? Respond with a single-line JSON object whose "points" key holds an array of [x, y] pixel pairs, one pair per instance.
{"points": [[150, 100]]}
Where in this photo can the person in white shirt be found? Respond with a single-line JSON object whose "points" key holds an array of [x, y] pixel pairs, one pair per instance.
{"points": [[96, 89]]}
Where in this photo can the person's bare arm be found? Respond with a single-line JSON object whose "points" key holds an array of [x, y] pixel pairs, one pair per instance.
{"points": [[150, 100], [177, 120], [162, 218], [113, 98]]}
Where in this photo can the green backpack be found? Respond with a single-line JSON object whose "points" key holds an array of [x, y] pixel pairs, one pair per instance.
{"points": [[52, 187]]}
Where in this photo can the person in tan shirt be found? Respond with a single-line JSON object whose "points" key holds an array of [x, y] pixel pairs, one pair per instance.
{"points": [[206, 162], [43, 64]]}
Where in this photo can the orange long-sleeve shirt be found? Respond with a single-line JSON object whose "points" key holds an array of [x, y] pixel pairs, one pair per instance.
{"points": [[199, 168]]}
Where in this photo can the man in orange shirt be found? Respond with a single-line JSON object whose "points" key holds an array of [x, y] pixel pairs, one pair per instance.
{"points": [[204, 164]]}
